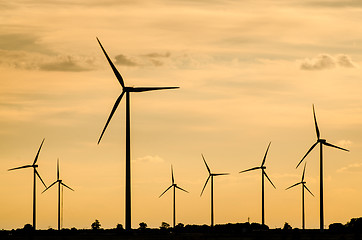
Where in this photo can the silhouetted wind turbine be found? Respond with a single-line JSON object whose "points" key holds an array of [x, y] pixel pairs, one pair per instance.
{"points": [[211, 175], [174, 185], [263, 173], [60, 184], [322, 142], [303, 187], [127, 91], [36, 174]]}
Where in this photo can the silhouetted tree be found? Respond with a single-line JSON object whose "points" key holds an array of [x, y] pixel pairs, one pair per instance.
{"points": [[336, 227], [179, 226], [28, 227], [119, 227], [355, 224], [164, 225], [287, 226], [96, 225], [143, 226]]}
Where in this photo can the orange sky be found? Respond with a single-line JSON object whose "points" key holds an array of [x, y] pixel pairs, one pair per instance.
{"points": [[248, 72]]}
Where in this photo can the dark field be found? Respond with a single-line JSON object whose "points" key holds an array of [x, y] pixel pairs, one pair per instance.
{"points": [[151, 234]]}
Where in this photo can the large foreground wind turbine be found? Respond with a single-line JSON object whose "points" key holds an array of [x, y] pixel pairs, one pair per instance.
{"points": [[211, 175], [263, 173], [127, 91], [174, 185], [303, 187], [60, 184], [321, 142], [36, 174]]}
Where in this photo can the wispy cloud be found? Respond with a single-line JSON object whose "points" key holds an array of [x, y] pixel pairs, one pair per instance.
{"points": [[27, 42], [326, 61], [67, 64], [125, 61], [344, 143], [356, 167], [149, 159]]}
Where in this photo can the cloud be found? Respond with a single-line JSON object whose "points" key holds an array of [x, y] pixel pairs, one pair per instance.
{"points": [[356, 167], [125, 61], [65, 64], [149, 159], [344, 143], [27, 42], [158, 55], [345, 61], [37, 61], [334, 3], [325, 61]]}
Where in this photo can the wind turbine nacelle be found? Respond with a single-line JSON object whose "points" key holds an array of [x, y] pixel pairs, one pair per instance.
{"points": [[35, 166], [322, 140]]}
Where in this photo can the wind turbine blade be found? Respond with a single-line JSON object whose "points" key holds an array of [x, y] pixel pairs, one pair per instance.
{"points": [[293, 185], [331, 145], [26, 166], [310, 149], [208, 169], [266, 175], [67, 186], [58, 169], [316, 125], [262, 164], [37, 155], [220, 174], [110, 115], [305, 164], [181, 189], [49, 186], [173, 180], [308, 190], [251, 169], [166, 190], [146, 89], [205, 185], [36, 172], [118, 75]]}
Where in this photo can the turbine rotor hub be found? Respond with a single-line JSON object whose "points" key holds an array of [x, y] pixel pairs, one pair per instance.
{"points": [[322, 140]]}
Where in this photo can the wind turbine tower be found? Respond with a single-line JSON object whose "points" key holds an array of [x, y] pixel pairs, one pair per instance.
{"points": [[303, 187], [174, 186], [36, 174], [126, 90], [263, 173], [60, 185], [211, 175], [321, 142]]}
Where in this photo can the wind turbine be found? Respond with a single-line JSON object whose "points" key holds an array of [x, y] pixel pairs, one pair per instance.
{"points": [[263, 173], [36, 174], [211, 175], [60, 184], [174, 185], [127, 91], [303, 187], [321, 142]]}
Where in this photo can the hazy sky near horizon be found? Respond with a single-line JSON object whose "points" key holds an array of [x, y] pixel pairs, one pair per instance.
{"points": [[248, 72]]}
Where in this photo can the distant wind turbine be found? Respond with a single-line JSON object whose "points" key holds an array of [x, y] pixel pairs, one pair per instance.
{"points": [[127, 91], [60, 184], [36, 174], [174, 186], [263, 173], [303, 187], [211, 175], [322, 142]]}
